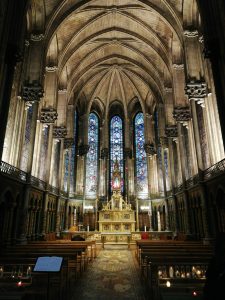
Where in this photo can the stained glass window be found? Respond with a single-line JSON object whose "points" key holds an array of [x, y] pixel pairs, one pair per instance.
{"points": [[116, 146], [73, 157], [24, 159], [92, 157], [66, 170], [141, 161]]}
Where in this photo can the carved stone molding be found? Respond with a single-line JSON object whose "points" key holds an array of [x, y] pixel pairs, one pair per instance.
{"points": [[182, 114], [171, 131], [26, 43], [201, 39], [51, 69], [168, 89], [37, 37], [59, 132], [104, 153], [164, 141], [68, 143], [191, 33], [32, 92], [127, 153], [149, 149], [48, 115], [196, 90], [178, 66], [83, 149], [62, 91]]}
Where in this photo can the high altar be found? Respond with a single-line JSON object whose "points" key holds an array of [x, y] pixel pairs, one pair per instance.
{"points": [[116, 216]]}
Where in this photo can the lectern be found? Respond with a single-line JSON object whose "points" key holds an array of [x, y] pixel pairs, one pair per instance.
{"points": [[48, 264]]}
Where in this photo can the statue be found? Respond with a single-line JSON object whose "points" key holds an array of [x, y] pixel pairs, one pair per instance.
{"points": [[116, 177]]}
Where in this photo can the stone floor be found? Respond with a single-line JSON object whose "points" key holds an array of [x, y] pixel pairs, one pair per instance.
{"points": [[114, 274]]}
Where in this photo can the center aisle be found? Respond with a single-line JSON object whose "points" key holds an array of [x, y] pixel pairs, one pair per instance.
{"points": [[113, 275]]}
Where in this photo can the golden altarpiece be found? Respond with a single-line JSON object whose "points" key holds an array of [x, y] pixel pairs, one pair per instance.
{"points": [[117, 216]]}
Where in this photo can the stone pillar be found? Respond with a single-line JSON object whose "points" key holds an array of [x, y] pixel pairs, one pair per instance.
{"points": [[31, 94], [11, 33], [164, 144], [183, 115], [150, 152], [171, 133], [137, 215], [197, 91], [212, 17]]}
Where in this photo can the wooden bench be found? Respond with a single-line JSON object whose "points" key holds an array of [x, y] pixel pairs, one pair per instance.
{"points": [[76, 256], [181, 263]]}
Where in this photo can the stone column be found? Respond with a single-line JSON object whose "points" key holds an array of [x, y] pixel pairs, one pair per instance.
{"points": [[164, 144], [171, 133], [212, 17], [83, 150], [31, 94], [196, 92], [183, 115]]}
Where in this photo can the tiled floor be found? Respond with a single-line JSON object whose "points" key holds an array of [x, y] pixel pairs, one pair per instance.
{"points": [[113, 275]]}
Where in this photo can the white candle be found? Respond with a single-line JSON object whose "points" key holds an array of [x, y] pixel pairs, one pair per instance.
{"points": [[145, 228], [87, 227]]}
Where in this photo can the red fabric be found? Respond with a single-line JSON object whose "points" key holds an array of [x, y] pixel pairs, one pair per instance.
{"points": [[144, 236]]}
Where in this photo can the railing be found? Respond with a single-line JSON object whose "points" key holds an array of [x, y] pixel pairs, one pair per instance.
{"points": [[5, 168], [192, 181], [38, 183], [53, 189], [214, 170], [13, 171]]}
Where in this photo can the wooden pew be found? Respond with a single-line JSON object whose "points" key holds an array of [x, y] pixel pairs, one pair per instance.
{"points": [[76, 256], [188, 260]]}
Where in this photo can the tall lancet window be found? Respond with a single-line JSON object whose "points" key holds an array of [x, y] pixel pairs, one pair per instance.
{"points": [[73, 156], [140, 155], [116, 147], [92, 157]]}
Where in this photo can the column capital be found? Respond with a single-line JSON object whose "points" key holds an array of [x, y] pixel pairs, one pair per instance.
{"points": [[32, 92], [182, 114], [178, 66], [168, 89], [196, 89], [51, 69], [59, 132], [48, 115], [62, 91], [171, 131], [104, 153], [191, 33], [83, 149], [150, 148], [36, 37], [68, 143]]}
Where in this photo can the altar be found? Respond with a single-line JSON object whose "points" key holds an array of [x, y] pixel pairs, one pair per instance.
{"points": [[117, 215]]}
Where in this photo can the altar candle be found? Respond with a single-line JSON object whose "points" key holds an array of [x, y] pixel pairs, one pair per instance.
{"points": [[145, 228], [87, 227]]}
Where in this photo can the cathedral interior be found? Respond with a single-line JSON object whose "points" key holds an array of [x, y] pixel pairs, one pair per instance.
{"points": [[112, 105]]}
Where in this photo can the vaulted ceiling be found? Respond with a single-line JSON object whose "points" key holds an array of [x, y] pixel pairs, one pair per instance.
{"points": [[114, 50]]}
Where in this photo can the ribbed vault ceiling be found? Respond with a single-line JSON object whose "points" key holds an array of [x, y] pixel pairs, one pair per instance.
{"points": [[114, 50]]}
